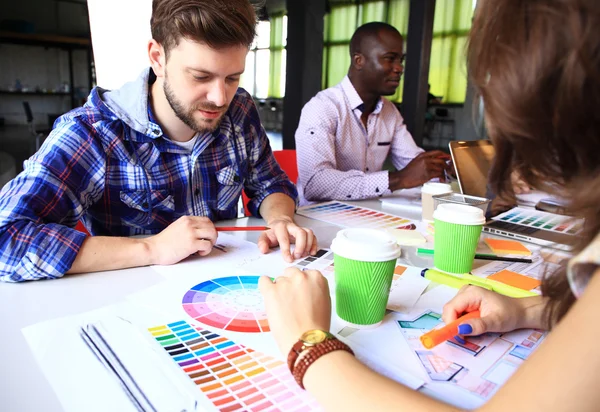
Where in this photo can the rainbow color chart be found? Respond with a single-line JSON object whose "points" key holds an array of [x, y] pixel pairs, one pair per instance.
{"points": [[343, 214], [541, 220], [231, 376], [231, 303]]}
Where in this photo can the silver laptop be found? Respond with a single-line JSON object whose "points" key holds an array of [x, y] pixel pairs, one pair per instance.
{"points": [[473, 160]]}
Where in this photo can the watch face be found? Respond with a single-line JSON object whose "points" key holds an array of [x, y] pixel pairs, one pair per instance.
{"points": [[314, 336]]}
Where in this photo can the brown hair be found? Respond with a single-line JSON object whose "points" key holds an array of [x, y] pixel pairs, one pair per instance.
{"points": [[536, 65], [218, 23]]}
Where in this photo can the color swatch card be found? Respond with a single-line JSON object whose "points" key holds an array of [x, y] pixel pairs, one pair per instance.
{"points": [[233, 377], [346, 215], [229, 304], [541, 220], [507, 247]]}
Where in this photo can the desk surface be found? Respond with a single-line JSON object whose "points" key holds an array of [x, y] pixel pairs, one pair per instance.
{"points": [[24, 387]]}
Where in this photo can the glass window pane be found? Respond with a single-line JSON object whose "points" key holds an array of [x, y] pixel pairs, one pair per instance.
{"points": [[283, 73], [263, 35], [284, 31], [247, 78], [457, 90], [398, 15], [372, 12], [262, 73], [342, 23], [338, 63]]}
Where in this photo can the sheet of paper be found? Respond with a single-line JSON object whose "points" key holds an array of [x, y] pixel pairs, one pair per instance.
{"points": [[406, 290], [78, 378]]}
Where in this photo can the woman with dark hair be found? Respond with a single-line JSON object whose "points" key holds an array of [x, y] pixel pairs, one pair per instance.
{"points": [[536, 64]]}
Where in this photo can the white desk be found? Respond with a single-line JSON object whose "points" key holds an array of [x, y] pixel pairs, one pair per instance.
{"points": [[23, 385]]}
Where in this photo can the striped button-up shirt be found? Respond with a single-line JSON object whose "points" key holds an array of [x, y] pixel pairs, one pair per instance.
{"points": [[338, 158], [123, 179]]}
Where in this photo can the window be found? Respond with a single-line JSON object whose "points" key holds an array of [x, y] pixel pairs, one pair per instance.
{"points": [[265, 64]]}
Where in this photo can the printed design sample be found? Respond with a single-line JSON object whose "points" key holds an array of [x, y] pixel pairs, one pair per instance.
{"points": [[232, 303], [233, 377]]}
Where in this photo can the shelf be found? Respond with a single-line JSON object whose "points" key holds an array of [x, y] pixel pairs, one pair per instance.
{"points": [[46, 40], [35, 93]]}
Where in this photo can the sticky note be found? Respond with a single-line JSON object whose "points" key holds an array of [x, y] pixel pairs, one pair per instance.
{"points": [[515, 279], [407, 237], [507, 247], [399, 270]]}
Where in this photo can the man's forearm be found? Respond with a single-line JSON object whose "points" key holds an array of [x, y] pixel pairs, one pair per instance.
{"points": [[276, 206], [100, 253]]}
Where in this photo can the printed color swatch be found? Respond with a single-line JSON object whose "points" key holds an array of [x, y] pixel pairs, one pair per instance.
{"points": [[343, 214], [231, 376], [542, 220], [232, 303]]}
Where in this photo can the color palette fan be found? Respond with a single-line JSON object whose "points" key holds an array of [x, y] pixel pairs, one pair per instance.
{"points": [[233, 377], [346, 215], [232, 303]]}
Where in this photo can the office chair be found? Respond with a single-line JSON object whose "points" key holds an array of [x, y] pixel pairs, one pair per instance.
{"points": [[287, 161], [39, 135]]}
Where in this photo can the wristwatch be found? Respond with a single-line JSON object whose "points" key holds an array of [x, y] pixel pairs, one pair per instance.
{"points": [[311, 346]]}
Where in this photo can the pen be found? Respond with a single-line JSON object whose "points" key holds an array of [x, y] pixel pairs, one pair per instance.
{"points": [[457, 281], [483, 256], [241, 228], [436, 336]]}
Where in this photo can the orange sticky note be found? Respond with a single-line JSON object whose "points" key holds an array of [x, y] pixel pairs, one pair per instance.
{"points": [[515, 279], [399, 270], [507, 247]]}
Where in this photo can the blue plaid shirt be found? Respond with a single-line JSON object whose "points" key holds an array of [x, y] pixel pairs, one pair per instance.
{"points": [[118, 173]]}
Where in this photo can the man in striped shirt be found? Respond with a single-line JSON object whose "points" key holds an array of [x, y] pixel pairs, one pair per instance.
{"points": [[347, 131], [165, 155]]}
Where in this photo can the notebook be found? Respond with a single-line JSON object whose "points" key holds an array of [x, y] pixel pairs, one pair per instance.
{"points": [[473, 160]]}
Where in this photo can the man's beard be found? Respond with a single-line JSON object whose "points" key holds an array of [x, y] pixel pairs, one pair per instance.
{"points": [[187, 116]]}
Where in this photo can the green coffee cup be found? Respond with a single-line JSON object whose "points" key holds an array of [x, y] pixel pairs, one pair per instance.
{"points": [[457, 231], [364, 262]]}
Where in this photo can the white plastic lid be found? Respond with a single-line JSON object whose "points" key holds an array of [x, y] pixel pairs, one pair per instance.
{"points": [[436, 188], [460, 214], [368, 245]]}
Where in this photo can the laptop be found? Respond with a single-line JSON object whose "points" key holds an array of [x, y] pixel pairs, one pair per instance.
{"points": [[472, 161]]}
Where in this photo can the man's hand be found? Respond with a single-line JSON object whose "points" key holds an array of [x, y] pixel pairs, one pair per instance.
{"points": [[284, 231], [182, 238], [423, 168]]}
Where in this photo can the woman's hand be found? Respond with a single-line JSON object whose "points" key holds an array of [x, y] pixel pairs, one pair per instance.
{"points": [[499, 313], [295, 303]]}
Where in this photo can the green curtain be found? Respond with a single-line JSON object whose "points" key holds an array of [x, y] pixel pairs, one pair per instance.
{"points": [[277, 61], [447, 66], [452, 22]]}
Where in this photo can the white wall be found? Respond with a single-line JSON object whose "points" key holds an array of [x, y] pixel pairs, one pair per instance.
{"points": [[120, 34]]}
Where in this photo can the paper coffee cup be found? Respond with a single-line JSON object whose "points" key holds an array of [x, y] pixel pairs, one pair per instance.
{"points": [[457, 231], [427, 191], [364, 262]]}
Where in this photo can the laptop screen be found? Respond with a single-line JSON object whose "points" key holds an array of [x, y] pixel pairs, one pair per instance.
{"points": [[472, 160]]}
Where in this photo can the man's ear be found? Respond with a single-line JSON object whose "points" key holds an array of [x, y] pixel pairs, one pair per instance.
{"points": [[358, 61], [157, 57]]}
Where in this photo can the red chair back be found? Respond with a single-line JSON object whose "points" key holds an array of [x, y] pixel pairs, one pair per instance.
{"points": [[287, 161]]}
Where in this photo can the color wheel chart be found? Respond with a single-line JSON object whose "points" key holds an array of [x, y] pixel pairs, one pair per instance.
{"points": [[542, 220], [233, 377], [232, 303], [343, 214]]}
